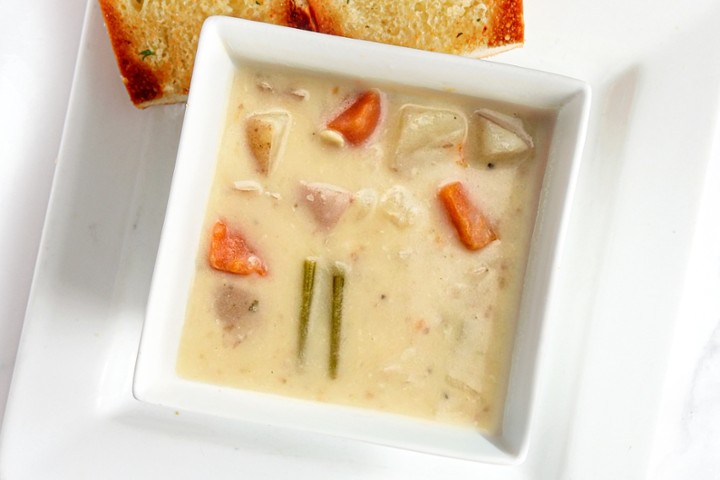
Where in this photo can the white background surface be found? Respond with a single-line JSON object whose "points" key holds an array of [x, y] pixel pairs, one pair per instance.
{"points": [[676, 439], [38, 47]]}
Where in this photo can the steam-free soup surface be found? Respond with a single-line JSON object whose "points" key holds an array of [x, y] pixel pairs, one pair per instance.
{"points": [[426, 322]]}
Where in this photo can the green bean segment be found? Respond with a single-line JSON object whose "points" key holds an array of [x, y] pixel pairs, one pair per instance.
{"points": [[336, 321], [308, 289]]}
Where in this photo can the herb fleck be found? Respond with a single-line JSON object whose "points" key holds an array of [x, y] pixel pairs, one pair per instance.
{"points": [[146, 53], [253, 306], [458, 35]]}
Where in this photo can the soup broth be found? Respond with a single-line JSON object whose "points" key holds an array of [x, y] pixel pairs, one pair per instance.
{"points": [[431, 275]]}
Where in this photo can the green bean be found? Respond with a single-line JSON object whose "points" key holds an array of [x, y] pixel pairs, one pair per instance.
{"points": [[308, 288], [336, 320]]}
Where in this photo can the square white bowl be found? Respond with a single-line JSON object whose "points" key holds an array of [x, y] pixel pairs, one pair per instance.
{"points": [[227, 44]]}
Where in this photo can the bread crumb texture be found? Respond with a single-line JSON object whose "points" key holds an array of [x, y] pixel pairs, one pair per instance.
{"points": [[155, 40]]}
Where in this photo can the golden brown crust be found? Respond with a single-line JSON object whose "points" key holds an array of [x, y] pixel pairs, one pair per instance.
{"points": [[300, 15], [141, 82], [324, 20], [508, 25]]}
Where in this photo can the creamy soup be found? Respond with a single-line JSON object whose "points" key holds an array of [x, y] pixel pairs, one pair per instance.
{"points": [[365, 245]]}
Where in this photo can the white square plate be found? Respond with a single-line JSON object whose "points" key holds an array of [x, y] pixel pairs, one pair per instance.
{"points": [[616, 305], [228, 44]]}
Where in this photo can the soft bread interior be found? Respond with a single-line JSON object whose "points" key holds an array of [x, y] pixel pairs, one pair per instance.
{"points": [[451, 26]]}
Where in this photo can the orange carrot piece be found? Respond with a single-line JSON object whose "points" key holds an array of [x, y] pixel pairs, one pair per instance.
{"points": [[359, 120], [229, 252], [472, 227]]}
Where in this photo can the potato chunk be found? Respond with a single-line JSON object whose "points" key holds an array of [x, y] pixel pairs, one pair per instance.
{"points": [[427, 136], [236, 312], [501, 136], [266, 136], [467, 366]]}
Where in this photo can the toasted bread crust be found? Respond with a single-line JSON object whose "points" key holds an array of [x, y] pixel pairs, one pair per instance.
{"points": [[155, 42], [508, 25], [141, 81], [300, 15]]}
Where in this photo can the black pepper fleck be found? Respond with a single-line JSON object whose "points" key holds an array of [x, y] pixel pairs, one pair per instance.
{"points": [[491, 165]]}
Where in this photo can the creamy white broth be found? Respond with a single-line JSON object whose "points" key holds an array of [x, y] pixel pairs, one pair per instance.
{"points": [[427, 324]]}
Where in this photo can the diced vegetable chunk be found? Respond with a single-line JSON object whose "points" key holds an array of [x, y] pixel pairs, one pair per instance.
{"points": [[468, 361], [359, 120], [501, 136], [236, 312], [229, 252], [266, 134], [472, 227], [429, 136]]}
